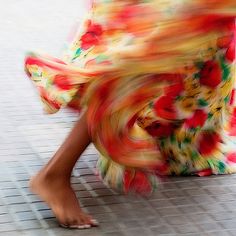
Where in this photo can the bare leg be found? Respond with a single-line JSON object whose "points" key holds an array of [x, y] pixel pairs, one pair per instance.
{"points": [[53, 185]]}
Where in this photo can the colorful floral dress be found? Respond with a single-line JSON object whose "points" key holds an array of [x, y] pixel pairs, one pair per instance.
{"points": [[157, 80]]}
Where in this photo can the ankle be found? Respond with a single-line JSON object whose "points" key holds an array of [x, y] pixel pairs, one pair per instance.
{"points": [[50, 176]]}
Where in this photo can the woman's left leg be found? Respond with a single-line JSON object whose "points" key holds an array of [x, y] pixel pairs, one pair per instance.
{"points": [[52, 183]]}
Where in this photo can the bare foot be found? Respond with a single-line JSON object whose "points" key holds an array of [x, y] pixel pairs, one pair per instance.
{"points": [[62, 200]]}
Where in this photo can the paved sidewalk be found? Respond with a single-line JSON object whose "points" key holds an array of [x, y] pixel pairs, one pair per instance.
{"points": [[182, 206]]}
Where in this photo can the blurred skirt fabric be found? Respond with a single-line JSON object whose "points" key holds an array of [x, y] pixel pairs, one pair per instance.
{"points": [[158, 81]]}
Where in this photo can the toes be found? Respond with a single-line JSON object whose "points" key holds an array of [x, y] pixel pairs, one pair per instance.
{"points": [[76, 226], [89, 220], [78, 222], [94, 222], [63, 226], [70, 222], [84, 226], [85, 221], [82, 221]]}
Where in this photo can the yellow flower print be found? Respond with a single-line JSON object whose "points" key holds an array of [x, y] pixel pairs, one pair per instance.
{"points": [[226, 88], [216, 108], [188, 103], [146, 118], [33, 69], [208, 94]]}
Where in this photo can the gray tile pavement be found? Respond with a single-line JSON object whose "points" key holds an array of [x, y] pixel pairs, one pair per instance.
{"points": [[182, 206]]}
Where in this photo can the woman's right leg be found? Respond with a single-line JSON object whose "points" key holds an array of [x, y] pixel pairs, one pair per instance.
{"points": [[52, 183]]}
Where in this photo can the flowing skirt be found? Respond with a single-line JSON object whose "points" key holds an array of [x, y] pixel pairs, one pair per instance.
{"points": [[157, 79]]}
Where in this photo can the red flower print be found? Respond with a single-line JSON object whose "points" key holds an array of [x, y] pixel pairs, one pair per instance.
{"points": [[95, 29], [206, 172], [62, 82], [74, 105], [230, 53], [158, 129], [232, 131], [232, 97], [136, 181], [174, 90], [164, 108], [231, 157], [224, 42], [88, 40], [228, 42], [232, 123], [208, 143], [93, 62], [92, 36], [43, 93], [197, 120], [211, 74], [128, 175]]}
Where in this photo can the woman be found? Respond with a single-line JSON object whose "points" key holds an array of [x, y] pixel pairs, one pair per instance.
{"points": [[154, 81]]}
